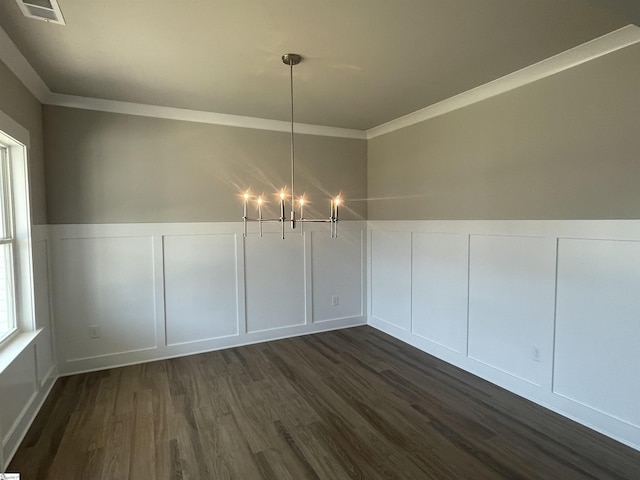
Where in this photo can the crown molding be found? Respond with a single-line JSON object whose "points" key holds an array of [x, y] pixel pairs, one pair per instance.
{"points": [[198, 116], [586, 52], [593, 49], [21, 68]]}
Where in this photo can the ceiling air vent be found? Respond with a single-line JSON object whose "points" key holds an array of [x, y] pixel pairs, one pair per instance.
{"points": [[46, 10]]}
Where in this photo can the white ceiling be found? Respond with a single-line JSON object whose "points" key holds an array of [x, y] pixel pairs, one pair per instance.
{"points": [[366, 62]]}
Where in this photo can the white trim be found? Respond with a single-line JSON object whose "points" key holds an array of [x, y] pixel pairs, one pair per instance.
{"points": [[199, 116], [586, 52], [21, 68], [17, 133]]}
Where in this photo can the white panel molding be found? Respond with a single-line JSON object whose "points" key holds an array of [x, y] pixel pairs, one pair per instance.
{"points": [[39, 371], [18, 390], [586, 52], [511, 303], [200, 287], [615, 422], [24, 422], [106, 282], [275, 282], [598, 306], [159, 290], [440, 288], [336, 269], [234, 251], [391, 278]]}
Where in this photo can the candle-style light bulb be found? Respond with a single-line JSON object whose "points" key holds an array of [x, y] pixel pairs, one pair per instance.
{"points": [[301, 207], [260, 214], [282, 216], [246, 200]]}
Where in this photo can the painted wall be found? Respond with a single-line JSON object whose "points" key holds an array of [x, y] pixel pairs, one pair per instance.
{"points": [[19, 104], [565, 147], [28, 361], [506, 264], [114, 168]]}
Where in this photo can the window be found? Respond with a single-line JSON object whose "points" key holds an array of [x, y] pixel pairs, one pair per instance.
{"points": [[7, 248], [17, 309]]}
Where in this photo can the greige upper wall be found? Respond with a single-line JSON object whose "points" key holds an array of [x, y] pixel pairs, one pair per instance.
{"points": [[18, 103], [113, 168], [565, 147]]}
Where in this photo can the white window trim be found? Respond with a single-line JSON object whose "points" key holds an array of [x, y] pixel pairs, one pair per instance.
{"points": [[6, 195], [17, 140]]}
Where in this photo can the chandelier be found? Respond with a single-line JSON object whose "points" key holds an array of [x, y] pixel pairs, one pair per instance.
{"points": [[290, 59]]}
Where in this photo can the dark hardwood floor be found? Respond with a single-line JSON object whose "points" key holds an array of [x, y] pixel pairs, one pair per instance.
{"points": [[349, 404]]}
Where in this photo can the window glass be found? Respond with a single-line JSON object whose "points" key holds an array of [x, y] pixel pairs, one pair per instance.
{"points": [[7, 249]]}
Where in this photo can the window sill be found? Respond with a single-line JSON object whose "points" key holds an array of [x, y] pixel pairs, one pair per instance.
{"points": [[14, 346]]}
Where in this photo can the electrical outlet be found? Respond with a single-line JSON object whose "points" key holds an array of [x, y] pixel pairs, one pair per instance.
{"points": [[335, 301], [94, 331], [536, 354]]}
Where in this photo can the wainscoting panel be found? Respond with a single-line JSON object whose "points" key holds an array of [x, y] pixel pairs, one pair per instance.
{"points": [[597, 326], [200, 281], [27, 361], [552, 313], [439, 287], [337, 275], [275, 281], [18, 384], [200, 286], [45, 354], [511, 302], [105, 296], [391, 278]]}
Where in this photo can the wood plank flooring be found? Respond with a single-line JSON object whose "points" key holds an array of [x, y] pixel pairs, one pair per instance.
{"points": [[348, 404]]}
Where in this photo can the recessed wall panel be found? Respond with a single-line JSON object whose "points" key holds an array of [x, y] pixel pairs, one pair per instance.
{"points": [[17, 385], [440, 266], [597, 359], [106, 296], [45, 355], [200, 287], [511, 302], [274, 281], [391, 277], [336, 275]]}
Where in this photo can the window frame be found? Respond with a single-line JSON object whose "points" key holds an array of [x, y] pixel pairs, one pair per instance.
{"points": [[16, 140], [8, 237]]}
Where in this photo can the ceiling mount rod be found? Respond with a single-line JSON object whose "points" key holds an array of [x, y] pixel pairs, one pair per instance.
{"points": [[292, 59]]}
